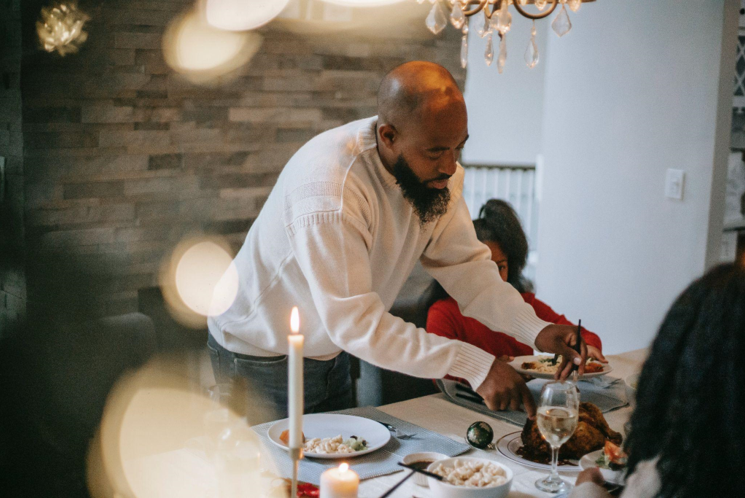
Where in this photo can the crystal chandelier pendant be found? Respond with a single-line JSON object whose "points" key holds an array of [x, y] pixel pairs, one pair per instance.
{"points": [[489, 54], [502, 59], [484, 29], [457, 18], [464, 51], [575, 5], [541, 4], [504, 19], [531, 54], [561, 23], [436, 20], [465, 28]]}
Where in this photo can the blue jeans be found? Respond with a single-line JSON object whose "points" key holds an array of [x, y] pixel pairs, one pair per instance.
{"points": [[263, 380]]}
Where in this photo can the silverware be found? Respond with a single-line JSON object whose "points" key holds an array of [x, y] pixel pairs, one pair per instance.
{"points": [[421, 471], [388, 493], [396, 432], [577, 348]]}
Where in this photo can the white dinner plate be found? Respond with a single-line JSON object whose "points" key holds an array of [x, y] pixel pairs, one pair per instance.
{"points": [[517, 365], [510, 443], [610, 476], [323, 425]]}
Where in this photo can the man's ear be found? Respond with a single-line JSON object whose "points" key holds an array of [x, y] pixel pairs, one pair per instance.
{"points": [[388, 135]]}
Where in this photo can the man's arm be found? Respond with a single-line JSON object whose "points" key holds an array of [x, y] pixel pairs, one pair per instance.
{"points": [[331, 249]]}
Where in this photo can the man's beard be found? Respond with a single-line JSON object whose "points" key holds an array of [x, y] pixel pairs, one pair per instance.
{"points": [[429, 203]]}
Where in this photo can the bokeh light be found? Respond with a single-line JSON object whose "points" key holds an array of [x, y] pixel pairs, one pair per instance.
{"points": [[162, 435], [242, 15], [363, 3], [203, 53], [200, 279]]}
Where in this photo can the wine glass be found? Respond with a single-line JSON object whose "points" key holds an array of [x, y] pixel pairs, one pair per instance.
{"points": [[558, 413]]}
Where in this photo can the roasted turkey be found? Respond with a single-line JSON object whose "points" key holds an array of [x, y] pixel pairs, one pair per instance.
{"points": [[591, 434]]}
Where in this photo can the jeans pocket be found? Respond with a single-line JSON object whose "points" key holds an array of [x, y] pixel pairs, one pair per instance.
{"points": [[259, 360]]}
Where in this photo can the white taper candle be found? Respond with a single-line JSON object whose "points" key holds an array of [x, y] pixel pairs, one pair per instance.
{"points": [[295, 380]]}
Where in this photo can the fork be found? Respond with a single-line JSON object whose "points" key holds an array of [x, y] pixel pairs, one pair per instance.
{"points": [[396, 432]]}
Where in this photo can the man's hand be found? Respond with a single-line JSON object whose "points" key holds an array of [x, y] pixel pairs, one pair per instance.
{"points": [[558, 339], [593, 352], [505, 389]]}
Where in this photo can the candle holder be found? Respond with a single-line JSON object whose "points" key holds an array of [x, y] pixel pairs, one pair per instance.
{"points": [[296, 454]]}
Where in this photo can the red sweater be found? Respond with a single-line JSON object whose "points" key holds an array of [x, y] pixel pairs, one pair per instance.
{"points": [[445, 319]]}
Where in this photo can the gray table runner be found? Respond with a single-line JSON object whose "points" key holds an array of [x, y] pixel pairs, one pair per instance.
{"points": [[606, 392], [375, 464]]}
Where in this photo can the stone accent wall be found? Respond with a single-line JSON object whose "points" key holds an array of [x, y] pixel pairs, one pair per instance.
{"points": [[124, 157], [12, 271]]}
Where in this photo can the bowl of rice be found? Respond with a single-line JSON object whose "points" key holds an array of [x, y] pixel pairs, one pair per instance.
{"points": [[467, 477]]}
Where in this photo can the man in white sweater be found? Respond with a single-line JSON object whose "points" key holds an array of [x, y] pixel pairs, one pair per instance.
{"points": [[352, 212]]}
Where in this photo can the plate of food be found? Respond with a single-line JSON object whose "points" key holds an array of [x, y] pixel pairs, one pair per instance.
{"points": [[332, 435], [528, 447], [611, 461], [543, 367]]}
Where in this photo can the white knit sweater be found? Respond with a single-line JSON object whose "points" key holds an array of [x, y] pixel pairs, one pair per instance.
{"points": [[338, 239]]}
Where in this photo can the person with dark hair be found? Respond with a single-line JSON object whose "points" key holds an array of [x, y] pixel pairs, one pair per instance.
{"points": [[498, 226], [686, 438]]}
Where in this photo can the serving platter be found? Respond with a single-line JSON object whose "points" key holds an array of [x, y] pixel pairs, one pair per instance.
{"points": [[508, 445]]}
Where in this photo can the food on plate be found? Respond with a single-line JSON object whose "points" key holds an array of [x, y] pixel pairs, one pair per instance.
{"points": [[285, 437], [480, 435], [591, 434], [546, 365], [613, 457], [471, 474], [337, 444]]}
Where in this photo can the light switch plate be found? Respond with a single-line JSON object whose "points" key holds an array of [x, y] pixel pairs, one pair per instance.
{"points": [[674, 183], [2, 178]]}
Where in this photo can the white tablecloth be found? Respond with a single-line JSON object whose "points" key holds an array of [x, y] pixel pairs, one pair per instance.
{"points": [[157, 463], [451, 420]]}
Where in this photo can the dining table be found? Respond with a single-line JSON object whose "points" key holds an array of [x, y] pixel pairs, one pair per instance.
{"points": [[439, 415], [156, 445]]}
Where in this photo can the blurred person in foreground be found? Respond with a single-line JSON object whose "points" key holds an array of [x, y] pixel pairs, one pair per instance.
{"points": [[351, 213], [686, 438], [498, 227]]}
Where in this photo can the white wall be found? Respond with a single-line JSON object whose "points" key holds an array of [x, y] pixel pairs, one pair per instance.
{"points": [[505, 110], [633, 90]]}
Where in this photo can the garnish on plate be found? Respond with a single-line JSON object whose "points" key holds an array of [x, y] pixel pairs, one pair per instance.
{"points": [[613, 457]]}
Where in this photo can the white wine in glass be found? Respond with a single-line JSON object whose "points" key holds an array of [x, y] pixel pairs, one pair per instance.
{"points": [[558, 413]]}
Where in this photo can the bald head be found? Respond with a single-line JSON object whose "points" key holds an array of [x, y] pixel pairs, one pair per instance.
{"points": [[417, 91]]}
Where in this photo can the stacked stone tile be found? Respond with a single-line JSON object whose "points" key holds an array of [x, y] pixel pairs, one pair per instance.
{"points": [[123, 157]]}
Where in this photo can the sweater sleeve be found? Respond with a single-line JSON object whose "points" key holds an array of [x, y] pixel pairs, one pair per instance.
{"points": [[331, 249], [545, 312], [463, 266]]}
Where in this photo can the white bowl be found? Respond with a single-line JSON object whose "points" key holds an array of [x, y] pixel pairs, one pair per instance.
{"points": [[421, 479], [441, 489], [630, 383]]}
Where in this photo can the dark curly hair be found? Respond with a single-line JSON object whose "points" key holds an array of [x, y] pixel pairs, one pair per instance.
{"points": [[691, 392], [498, 222]]}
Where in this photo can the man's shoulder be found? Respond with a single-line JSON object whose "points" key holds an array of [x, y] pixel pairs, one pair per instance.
{"points": [[328, 156], [321, 171]]}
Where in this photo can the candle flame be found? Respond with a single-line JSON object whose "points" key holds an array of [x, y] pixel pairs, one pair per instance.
{"points": [[295, 320], [343, 467]]}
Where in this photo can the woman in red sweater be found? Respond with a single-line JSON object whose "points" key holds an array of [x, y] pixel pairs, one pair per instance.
{"points": [[499, 228]]}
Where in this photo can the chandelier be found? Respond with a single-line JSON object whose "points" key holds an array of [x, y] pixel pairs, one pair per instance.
{"points": [[493, 16]]}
